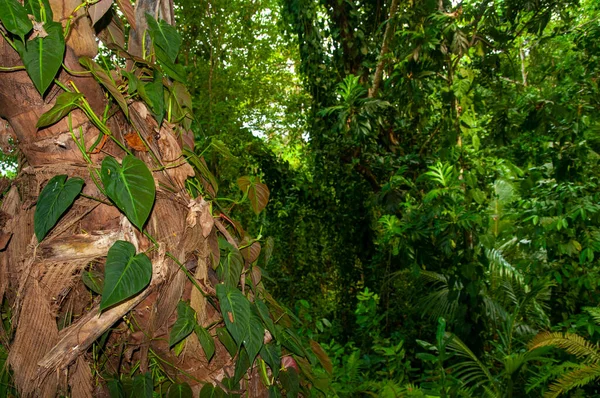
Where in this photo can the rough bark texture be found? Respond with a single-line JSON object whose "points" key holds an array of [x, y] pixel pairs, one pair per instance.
{"points": [[385, 48], [42, 283]]}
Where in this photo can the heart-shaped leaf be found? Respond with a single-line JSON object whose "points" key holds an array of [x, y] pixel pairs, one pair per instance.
{"points": [[64, 104], [108, 83], [184, 325], [94, 280], [43, 56], [210, 391], [130, 186], [173, 70], [143, 386], [258, 193], [56, 197], [182, 390], [164, 36], [125, 273], [14, 18], [34, 7], [206, 341]]}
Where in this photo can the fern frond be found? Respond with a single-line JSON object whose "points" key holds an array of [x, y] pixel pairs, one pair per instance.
{"points": [[570, 342], [580, 377], [594, 312]]}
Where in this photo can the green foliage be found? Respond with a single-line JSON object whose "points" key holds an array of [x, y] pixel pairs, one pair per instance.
{"points": [[126, 273], [54, 200]]}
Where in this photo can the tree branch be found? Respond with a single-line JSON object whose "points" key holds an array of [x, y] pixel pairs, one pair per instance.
{"points": [[387, 36]]}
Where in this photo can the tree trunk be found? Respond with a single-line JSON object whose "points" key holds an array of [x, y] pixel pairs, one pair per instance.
{"points": [[54, 318]]}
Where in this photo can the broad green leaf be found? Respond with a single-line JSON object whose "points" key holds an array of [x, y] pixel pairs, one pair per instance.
{"points": [[153, 94], [256, 336], [94, 280], [182, 390], [130, 186], [143, 386], [231, 265], [235, 308], [14, 18], [184, 325], [125, 273], [56, 197], [241, 366], [115, 389], [271, 354], [227, 341], [43, 57], [34, 7], [206, 341], [173, 70], [210, 391], [104, 78], [64, 104], [258, 193], [164, 36], [263, 311]]}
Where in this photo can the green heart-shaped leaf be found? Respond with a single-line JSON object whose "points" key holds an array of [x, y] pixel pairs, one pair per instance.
{"points": [[56, 197], [184, 325], [180, 391], [64, 104], [130, 186], [164, 36], [14, 18], [143, 386], [258, 193], [235, 309], [34, 7], [43, 57], [210, 391], [206, 341], [125, 273]]}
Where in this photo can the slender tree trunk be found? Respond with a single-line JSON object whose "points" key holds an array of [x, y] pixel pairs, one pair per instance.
{"points": [[387, 37]]}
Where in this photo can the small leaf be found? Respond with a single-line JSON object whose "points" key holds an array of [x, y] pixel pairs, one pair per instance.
{"points": [[108, 83], [164, 36], [184, 325], [206, 341], [234, 303], [14, 18], [202, 169], [231, 265], [210, 391], [94, 280], [180, 391], [143, 386], [97, 10], [56, 197], [125, 273], [43, 56], [64, 104], [115, 389], [130, 186], [227, 341], [153, 94], [258, 193]]}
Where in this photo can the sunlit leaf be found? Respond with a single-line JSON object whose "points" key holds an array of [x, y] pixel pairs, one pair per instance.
{"points": [[104, 78], [125, 273], [164, 36], [56, 197], [64, 104], [130, 186], [258, 193]]}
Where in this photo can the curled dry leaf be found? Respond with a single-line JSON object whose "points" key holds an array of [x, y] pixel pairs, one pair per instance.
{"points": [[135, 142], [201, 208]]}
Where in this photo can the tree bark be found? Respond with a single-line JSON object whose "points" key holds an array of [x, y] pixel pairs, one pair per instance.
{"points": [[385, 48]]}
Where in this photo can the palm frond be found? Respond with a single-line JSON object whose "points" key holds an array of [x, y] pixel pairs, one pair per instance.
{"points": [[570, 342], [583, 375]]}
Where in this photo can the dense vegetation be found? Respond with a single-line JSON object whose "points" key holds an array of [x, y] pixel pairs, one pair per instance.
{"points": [[437, 231], [434, 209]]}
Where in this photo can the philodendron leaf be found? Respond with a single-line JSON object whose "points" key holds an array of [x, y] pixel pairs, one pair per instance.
{"points": [[34, 7], [236, 311], [258, 193], [94, 280], [56, 197], [164, 36], [14, 18], [43, 56], [210, 391], [143, 386], [125, 273], [64, 104], [180, 391], [231, 265], [184, 326], [271, 354], [104, 78], [206, 341], [130, 186], [153, 95]]}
